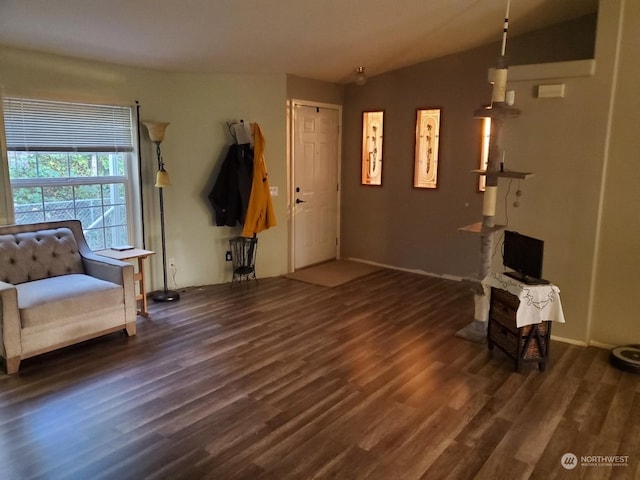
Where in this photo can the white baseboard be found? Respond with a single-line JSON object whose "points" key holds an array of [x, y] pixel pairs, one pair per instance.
{"points": [[411, 270], [580, 343], [571, 341], [606, 346]]}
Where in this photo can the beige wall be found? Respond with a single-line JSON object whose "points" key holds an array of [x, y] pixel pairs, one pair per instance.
{"points": [[299, 88], [556, 139], [581, 200], [615, 314], [197, 107]]}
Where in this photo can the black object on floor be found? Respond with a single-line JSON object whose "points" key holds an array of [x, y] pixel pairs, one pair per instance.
{"points": [[626, 358]]}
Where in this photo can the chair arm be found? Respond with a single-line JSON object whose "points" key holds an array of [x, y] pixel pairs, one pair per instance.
{"points": [[115, 271], [10, 343], [105, 268]]}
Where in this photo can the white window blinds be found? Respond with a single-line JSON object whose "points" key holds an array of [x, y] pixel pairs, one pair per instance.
{"points": [[47, 126]]}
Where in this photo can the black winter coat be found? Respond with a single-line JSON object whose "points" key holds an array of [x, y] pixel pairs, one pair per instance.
{"points": [[230, 194]]}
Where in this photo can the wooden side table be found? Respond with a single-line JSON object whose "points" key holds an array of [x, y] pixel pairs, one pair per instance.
{"points": [[131, 254]]}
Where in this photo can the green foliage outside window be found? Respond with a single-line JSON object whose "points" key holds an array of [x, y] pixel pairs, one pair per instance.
{"points": [[32, 165]]}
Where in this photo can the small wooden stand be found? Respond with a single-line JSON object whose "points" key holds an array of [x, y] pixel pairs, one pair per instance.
{"points": [[140, 255]]}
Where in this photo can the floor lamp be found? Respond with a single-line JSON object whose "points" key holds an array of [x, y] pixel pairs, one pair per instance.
{"points": [[156, 134]]}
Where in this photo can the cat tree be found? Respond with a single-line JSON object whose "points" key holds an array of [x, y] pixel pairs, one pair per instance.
{"points": [[498, 111]]}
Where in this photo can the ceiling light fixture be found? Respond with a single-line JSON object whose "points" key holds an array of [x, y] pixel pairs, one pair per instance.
{"points": [[361, 77]]}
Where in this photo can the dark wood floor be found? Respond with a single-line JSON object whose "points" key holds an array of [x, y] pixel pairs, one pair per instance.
{"points": [[287, 380]]}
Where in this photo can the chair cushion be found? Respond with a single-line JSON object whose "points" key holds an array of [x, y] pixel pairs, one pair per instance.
{"points": [[29, 256], [51, 300]]}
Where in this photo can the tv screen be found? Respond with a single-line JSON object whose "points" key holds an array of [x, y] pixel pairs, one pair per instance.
{"points": [[523, 255]]}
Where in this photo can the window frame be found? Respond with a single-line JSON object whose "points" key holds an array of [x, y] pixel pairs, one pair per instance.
{"points": [[130, 180]]}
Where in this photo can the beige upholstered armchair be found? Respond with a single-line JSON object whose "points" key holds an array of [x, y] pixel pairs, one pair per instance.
{"points": [[55, 292]]}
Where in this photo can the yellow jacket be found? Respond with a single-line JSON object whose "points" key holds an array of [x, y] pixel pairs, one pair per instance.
{"points": [[260, 212]]}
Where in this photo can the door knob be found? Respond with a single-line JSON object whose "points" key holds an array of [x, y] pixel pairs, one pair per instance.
{"points": [[300, 201]]}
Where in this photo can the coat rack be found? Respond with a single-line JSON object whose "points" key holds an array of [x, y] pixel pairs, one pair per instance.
{"points": [[240, 132]]}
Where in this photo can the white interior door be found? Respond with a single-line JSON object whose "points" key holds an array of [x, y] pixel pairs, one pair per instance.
{"points": [[315, 187]]}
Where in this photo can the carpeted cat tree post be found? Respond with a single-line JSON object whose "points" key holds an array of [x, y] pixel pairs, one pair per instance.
{"points": [[498, 112]]}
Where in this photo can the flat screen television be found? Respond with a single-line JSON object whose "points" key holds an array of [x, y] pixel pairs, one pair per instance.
{"points": [[523, 255]]}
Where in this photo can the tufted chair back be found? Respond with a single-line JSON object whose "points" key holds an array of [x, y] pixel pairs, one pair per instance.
{"points": [[34, 255]]}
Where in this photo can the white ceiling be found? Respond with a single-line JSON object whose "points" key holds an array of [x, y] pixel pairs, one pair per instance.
{"points": [[320, 39]]}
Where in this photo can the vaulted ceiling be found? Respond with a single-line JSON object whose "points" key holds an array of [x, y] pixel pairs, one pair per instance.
{"points": [[319, 39]]}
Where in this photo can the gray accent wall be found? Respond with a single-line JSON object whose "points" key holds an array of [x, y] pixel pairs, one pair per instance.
{"points": [[396, 224], [580, 147], [417, 229]]}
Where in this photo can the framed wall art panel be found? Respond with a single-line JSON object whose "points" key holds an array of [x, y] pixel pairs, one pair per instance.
{"points": [[484, 152], [425, 171], [372, 135]]}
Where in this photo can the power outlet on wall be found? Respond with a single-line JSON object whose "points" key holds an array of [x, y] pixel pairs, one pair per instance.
{"points": [[227, 256]]}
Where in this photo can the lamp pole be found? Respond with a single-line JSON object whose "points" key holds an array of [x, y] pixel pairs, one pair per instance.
{"points": [[156, 134], [166, 295]]}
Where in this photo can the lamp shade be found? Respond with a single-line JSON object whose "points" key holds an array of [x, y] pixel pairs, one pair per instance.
{"points": [[156, 130], [162, 178]]}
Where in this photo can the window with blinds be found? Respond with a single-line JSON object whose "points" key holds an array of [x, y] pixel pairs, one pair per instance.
{"points": [[72, 161]]}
